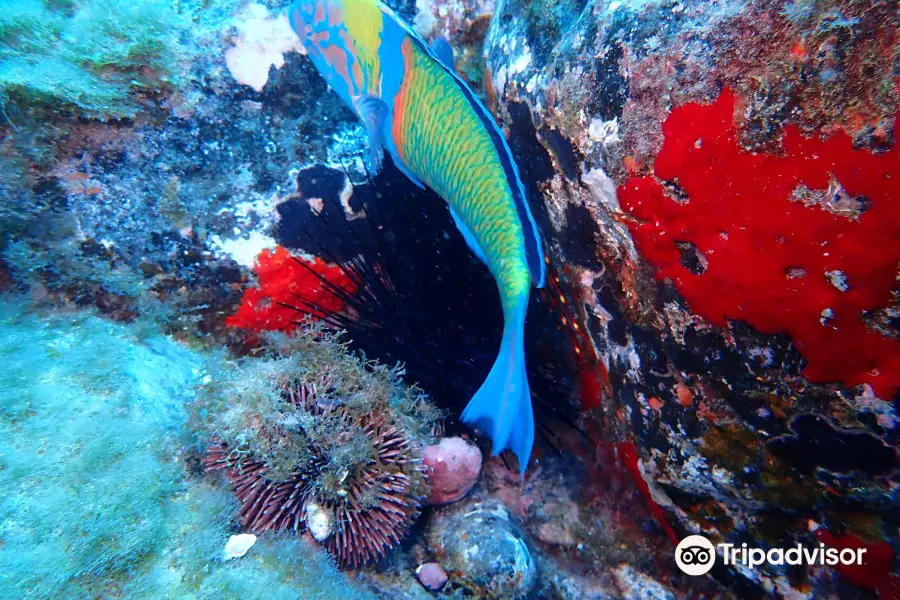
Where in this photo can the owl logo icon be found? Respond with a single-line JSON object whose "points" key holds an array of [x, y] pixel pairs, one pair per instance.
{"points": [[695, 555]]}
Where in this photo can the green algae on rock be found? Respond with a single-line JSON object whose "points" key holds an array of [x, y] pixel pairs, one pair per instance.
{"points": [[97, 500], [90, 57]]}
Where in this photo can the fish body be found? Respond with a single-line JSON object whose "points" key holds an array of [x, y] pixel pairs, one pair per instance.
{"points": [[439, 134]]}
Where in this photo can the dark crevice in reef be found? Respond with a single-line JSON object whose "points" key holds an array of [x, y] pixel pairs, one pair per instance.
{"points": [[579, 238], [427, 301], [566, 154], [816, 443], [608, 99], [617, 326], [535, 164]]}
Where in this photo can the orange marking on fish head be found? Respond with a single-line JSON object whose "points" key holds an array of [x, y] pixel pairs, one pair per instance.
{"points": [[337, 58], [304, 15], [319, 12]]}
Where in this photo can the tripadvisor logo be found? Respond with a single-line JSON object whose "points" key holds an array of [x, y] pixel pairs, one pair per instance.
{"points": [[696, 555]]}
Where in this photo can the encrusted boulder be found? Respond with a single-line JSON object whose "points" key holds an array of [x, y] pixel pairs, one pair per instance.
{"points": [[482, 549], [722, 196]]}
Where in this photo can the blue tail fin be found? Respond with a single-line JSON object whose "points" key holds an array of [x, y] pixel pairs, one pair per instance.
{"points": [[502, 406]]}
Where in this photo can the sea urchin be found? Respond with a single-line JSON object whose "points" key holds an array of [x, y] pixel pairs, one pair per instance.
{"points": [[332, 459]]}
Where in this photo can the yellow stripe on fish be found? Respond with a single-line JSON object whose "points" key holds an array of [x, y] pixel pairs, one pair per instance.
{"points": [[363, 20]]}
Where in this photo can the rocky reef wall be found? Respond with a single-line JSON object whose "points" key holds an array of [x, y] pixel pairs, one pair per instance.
{"points": [[724, 192]]}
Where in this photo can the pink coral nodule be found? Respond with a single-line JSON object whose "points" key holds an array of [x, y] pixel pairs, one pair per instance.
{"points": [[432, 576], [452, 467]]}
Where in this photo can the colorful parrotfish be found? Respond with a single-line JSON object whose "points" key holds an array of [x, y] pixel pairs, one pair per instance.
{"points": [[439, 134]]}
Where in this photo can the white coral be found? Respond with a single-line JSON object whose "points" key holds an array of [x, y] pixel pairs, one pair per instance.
{"points": [[261, 42]]}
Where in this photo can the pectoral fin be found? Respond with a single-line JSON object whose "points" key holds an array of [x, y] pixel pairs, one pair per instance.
{"points": [[373, 111], [470, 239]]}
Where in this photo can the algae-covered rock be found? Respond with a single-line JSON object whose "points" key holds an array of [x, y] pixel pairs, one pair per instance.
{"points": [[97, 498], [91, 57]]}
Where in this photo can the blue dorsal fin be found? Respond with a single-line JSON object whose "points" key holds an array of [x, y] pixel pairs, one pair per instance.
{"points": [[470, 239], [373, 111], [443, 51]]}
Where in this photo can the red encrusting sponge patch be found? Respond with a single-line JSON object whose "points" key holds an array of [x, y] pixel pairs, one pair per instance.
{"points": [[877, 561], [283, 280], [801, 242]]}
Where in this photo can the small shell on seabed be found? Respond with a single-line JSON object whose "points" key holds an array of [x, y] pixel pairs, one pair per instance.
{"points": [[238, 545], [319, 521]]}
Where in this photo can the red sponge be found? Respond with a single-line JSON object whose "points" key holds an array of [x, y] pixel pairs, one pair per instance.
{"points": [[803, 241]]}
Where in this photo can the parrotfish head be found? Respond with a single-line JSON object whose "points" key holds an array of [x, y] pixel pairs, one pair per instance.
{"points": [[304, 15], [320, 26]]}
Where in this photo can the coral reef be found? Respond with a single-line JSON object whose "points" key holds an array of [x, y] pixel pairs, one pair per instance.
{"points": [[719, 173], [744, 234], [379, 235], [314, 441], [155, 180]]}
